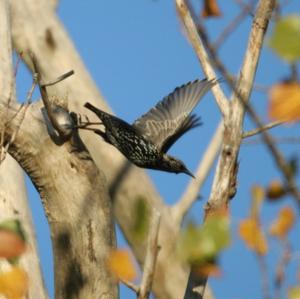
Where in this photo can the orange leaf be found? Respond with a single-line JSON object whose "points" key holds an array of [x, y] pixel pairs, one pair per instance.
{"points": [[275, 190], [11, 244], [285, 221], [121, 264], [284, 101], [212, 270], [14, 283], [251, 233], [210, 9]]}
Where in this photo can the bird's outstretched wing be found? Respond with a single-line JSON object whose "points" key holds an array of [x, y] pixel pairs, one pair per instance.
{"points": [[170, 118]]}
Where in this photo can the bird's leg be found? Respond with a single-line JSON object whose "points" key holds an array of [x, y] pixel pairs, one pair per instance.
{"points": [[98, 132], [84, 124]]}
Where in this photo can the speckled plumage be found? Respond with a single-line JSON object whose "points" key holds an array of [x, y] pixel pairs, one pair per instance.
{"points": [[147, 140]]}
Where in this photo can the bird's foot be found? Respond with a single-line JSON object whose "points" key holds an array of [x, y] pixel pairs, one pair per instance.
{"points": [[84, 124]]}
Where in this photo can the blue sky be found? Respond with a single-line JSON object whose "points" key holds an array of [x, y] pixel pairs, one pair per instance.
{"points": [[137, 53]]}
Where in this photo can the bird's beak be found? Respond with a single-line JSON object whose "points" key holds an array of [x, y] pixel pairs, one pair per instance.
{"points": [[189, 173]]}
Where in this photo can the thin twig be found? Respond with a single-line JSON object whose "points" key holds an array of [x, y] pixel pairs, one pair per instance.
{"points": [[259, 130], [243, 5], [285, 259], [294, 72], [59, 79], [246, 9], [143, 291], [130, 285], [277, 140], [279, 159], [264, 277], [180, 209], [4, 148], [19, 58], [31, 90], [44, 95], [151, 256]]}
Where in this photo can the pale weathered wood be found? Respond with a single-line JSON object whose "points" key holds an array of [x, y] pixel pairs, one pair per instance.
{"points": [[13, 197], [76, 203], [74, 195], [14, 205], [36, 27], [225, 175]]}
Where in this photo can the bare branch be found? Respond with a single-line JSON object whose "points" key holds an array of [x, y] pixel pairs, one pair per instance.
{"points": [[42, 86], [198, 46], [240, 99], [143, 291], [264, 128], [59, 79], [121, 178], [180, 209], [233, 132], [281, 267], [225, 174], [151, 256], [264, 277]]}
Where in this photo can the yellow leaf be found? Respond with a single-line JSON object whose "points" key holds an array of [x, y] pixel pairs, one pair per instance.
{"points": [[121, 264], [285, 221], [14, 283], [284, 101], [11, 244], [258, 195], [210, 9], [251, 233], [294, 293]]}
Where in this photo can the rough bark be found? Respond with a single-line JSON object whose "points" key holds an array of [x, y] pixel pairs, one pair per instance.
{"points": [[76, 203], [36, 28], [13, 198], [74, 195], [225, 175]]}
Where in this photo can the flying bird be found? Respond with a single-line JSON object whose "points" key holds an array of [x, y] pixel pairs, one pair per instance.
{"points": [[147, 141]]}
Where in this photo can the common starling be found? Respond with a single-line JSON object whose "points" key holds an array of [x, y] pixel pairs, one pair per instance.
{"points": [[147, 140]]}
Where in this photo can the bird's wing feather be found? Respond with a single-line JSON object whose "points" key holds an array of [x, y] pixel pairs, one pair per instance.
{"points": [[192, 121], [169, 119]]}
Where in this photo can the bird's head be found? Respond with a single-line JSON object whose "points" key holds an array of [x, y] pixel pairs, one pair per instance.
{"points": [[172, 164]]}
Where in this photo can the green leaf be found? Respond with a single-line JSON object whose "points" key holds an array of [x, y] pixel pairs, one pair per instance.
{"points": [[285, 39], [140, 214], [201, 244]]}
